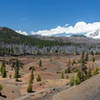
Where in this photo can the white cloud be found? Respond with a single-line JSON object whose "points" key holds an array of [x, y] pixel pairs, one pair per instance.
{"points": [[20, 32], [79, 27]]}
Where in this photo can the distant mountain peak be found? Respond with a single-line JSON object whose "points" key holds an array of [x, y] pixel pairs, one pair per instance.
{"points": [[94, 34]]}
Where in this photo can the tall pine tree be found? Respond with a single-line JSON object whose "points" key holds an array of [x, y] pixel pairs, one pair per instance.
{"points": [[83, 66], [32, 76], [17, 66], [3, 69]]}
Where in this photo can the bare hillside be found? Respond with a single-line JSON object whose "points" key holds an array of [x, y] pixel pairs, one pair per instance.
{"points": [[88, 90]]}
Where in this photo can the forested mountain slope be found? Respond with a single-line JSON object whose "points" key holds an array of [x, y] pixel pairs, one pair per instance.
{"points": [[10, 36], [13, 43]]}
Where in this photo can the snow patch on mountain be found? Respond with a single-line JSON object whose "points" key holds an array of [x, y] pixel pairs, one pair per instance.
{"points": [[93, 34]]}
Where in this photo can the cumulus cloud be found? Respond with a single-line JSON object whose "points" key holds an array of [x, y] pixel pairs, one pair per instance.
{"points": [[78, 28], [20, 32]]}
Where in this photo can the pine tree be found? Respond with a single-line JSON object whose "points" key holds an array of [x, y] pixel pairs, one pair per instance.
{"points": [[62, 75], [73, 62], [96, 71], [93, 59], [17, 64], [86, 57], [17, 68], [71, 81], [38, 78], [16, 76], [67, 76], [83, 66], [1, 89], [4, 72], [82, 56], [3, 69], [29, 88], [68, 69], [80, 75], [40, 63], [89, 73], [31, 76], [77, 80]]}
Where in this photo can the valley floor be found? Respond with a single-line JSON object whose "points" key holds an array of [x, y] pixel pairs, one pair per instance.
{"points": [[88, 90], [52, 86]]}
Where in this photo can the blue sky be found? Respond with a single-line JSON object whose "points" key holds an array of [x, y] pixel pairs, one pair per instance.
{"points": [[35, 15]]}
